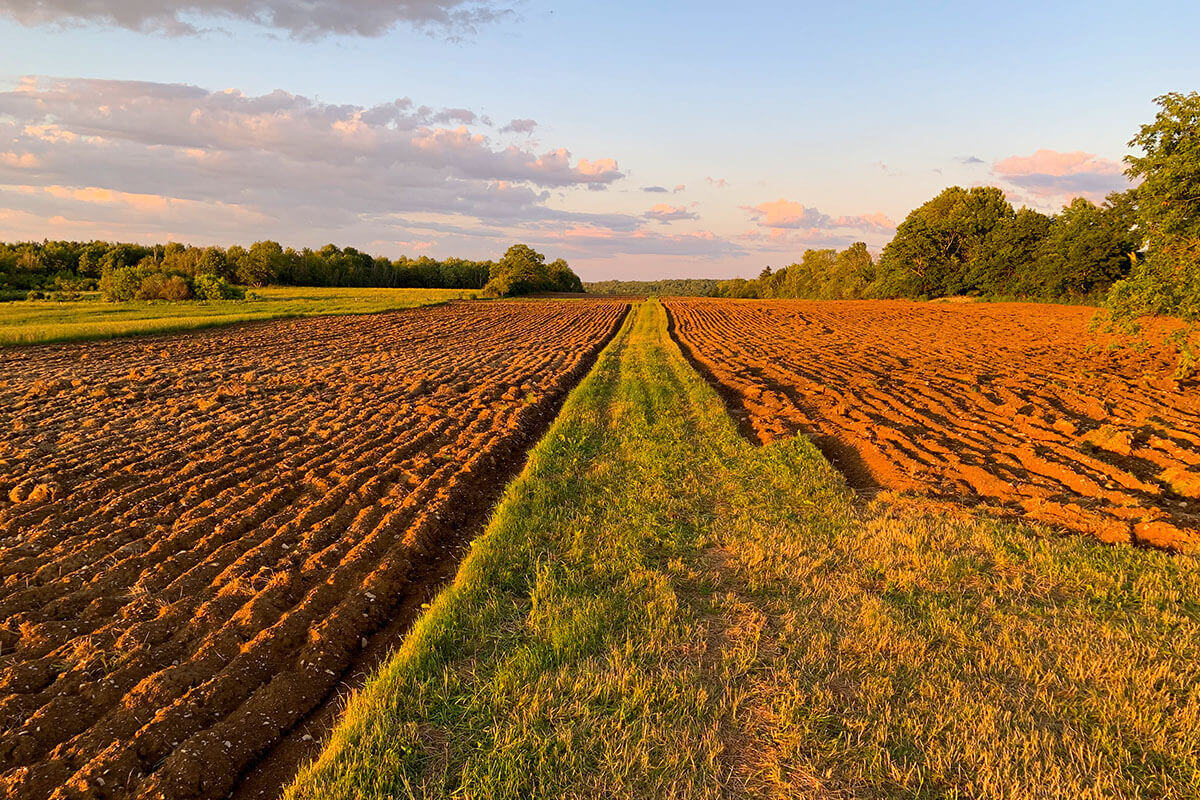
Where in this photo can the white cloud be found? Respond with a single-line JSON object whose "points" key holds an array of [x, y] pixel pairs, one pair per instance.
{"points": [[298, 18]]}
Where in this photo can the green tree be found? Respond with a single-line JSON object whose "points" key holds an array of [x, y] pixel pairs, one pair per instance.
{"points": [[1006, 264], [853, 269], [807, 277], [562, 278], [935, 247], [736, 287], [1167, 280], [261, 264], [523, 270], [212, 262], [1087, 248]]}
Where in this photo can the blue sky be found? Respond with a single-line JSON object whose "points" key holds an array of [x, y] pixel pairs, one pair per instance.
{"points": [[826, 123]]}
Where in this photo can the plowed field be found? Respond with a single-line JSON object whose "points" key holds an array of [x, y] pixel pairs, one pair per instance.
{"points": [[1015, 406], [197, 532]]}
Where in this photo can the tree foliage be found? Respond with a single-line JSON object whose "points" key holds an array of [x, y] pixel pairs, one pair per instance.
{"points": [[667, 287], [937, 245], [972, 242], [1167, 280], [819, 275], [1087, 248], [523, 270]]}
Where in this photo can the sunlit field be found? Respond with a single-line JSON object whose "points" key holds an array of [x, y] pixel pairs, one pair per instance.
{"points": [[43, 321], [660, 608], [809, 407]]}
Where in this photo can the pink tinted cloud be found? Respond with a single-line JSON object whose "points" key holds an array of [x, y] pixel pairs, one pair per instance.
{"points": [[599, 242], [786, 214], [1052, 162], [782, 215], [1049, 176], [406, 244], [525, 126], [867, 222], [19, 160], [303, 19], [602, 170]]}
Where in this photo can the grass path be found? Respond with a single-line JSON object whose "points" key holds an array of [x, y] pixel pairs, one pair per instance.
{"points": [[660, 609], [44, 321]]}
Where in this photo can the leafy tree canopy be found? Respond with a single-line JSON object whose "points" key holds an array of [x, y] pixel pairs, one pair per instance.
{"points": [[1167, 280]]}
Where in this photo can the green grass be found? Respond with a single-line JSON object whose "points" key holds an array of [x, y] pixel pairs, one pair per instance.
{"points": [[660, 609], [43, 321]]}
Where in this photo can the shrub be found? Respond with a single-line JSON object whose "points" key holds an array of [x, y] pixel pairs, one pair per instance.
{"points": [[151, 287], [144, 282], [175, 287], [34, 295], [73, 284], [214, 287], [119, 284]]}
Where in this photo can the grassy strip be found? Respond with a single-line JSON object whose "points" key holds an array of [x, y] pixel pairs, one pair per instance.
{"points": [[660, 609], [40, 322]]}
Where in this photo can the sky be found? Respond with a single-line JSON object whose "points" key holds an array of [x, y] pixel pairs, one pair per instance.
{"points": [[636, 140]]}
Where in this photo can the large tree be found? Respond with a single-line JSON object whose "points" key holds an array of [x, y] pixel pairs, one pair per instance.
{"points": [[1167, 280], [523, 270], [935, 247]]}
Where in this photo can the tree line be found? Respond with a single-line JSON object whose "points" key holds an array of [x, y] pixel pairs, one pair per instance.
{"points": [[972, 242], [174, 271], [666, 287]]}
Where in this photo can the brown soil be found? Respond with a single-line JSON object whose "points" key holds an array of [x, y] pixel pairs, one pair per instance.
{"points": [[1016, 406], [200, 534]]}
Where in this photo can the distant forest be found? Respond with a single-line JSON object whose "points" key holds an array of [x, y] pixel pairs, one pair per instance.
{"points": [[670, 287], [175, 271]]}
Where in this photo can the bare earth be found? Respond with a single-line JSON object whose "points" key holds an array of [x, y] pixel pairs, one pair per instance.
{"points": [[1016, 406], [198, 532]]}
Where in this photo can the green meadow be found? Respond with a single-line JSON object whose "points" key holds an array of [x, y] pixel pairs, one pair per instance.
{"points": [[44, 321]]}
